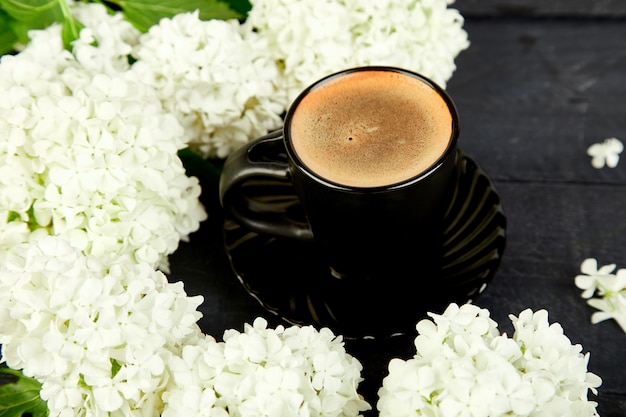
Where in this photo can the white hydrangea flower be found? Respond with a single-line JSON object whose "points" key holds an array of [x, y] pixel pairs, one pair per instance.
{"points": [[311, 38], [464, 367], [218, 82], [609, 287], [106, 42], [91, 156], [275, 372], [605, 153], [97, 336]]}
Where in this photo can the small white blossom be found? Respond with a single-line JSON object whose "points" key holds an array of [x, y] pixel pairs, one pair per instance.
{"points": [[609, 287], [464, 367], [611, 307], [605, 153], [588, 280]]}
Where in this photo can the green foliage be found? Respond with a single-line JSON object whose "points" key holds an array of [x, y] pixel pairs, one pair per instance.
{"points": [[8, 38], [240, 6], [17, 17], [145, 13], [71, 26], [40, 12], [19, 395], [31, 14]]}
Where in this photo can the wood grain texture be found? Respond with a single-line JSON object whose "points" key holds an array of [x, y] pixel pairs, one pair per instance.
{"points": [[533, 95], [538, 8]]}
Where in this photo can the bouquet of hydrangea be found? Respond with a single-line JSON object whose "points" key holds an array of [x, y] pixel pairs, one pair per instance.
{"points": [[94, 196], [464, 367]]}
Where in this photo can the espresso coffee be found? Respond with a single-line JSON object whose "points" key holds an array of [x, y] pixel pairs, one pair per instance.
{"points": [[371, 128]]}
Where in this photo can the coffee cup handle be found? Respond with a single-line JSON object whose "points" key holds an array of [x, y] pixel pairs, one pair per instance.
{"points": [[252, 176]]}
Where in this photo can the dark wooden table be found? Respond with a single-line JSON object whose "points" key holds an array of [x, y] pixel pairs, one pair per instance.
{"points": [[540, 83]]}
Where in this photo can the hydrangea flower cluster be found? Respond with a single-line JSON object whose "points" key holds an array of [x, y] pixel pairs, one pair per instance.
{"points": [[98, 337], [294, 371], [214, 77], [312, 38], [609, 288], [91, 156], [463, 367]]}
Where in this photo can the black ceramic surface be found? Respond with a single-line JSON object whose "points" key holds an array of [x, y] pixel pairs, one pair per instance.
{"points": [[289, 277]]}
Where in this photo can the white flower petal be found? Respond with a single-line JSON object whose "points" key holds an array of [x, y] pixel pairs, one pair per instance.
{"points": [[596, 150], [107, 398], [612, 160], [589, 266], [614, 145], [606, 269]]}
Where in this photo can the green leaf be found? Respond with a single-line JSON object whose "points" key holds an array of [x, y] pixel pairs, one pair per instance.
{"points": [[71, 27], [21, 31], [40, 13], [8, 38], [12, 216], [145, 13], [70, 31], [19, 395], [31, 14], [208, 172], [240, 6], [115, 367]]}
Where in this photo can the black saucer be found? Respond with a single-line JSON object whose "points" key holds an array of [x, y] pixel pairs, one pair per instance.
{"points": [[289, 279]]}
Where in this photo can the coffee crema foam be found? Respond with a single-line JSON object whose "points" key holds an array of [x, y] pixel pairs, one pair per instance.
{"points": [[371, 128]]}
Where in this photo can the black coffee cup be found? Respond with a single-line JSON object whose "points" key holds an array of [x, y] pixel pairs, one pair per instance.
{"points": [[377, 226]]}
